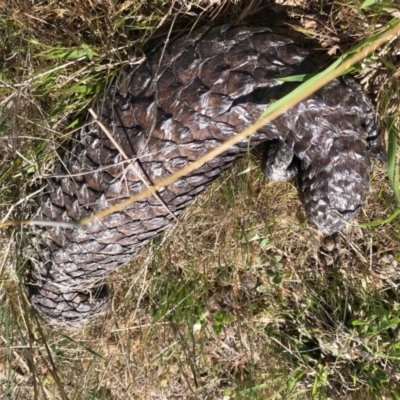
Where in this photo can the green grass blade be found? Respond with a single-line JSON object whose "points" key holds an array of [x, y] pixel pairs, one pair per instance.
{"points": [[393, 167], [88, 349], [314, 79], [379, 222]]}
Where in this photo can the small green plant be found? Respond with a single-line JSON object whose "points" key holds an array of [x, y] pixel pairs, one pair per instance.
{"points": [[221, 318], [275, 270]]}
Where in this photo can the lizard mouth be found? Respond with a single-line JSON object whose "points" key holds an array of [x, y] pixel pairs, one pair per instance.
{"points": [[343, 213], [343, 217], [336, 219]]}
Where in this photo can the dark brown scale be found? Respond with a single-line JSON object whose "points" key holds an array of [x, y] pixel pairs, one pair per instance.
{"points": [[204, 89]]}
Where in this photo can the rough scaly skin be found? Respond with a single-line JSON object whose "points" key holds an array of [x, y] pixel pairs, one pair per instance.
{"points": [[178, 105]]}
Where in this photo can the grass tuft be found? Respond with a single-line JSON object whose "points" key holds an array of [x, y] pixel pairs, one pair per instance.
{"points": [[244, 299]]}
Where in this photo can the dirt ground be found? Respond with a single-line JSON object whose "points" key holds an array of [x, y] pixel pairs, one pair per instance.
{"points": [[244, 299]]}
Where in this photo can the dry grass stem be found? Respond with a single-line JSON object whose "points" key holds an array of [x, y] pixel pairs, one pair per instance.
{"points": [[243, 299]]}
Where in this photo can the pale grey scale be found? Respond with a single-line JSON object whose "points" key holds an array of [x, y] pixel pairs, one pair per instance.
{"points": [[69, 267]]}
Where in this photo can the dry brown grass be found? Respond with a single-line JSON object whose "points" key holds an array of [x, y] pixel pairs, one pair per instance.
{"points": [[245, 299]]}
